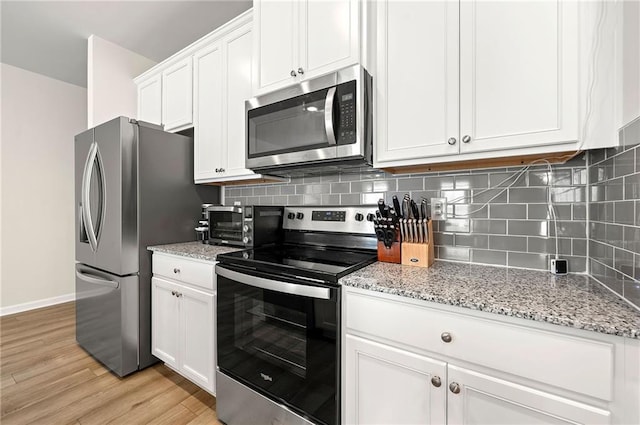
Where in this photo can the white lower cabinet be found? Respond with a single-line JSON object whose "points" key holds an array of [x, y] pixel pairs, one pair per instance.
{"points": [[407, 362], [183, 319], [386, 385], [476, 398]]}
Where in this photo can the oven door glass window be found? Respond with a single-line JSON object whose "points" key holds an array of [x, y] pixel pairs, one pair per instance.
{"points": [[225, 225], [282, 345]]}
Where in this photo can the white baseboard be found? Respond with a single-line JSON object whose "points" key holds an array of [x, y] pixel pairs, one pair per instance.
{"points": [[18, 308]]}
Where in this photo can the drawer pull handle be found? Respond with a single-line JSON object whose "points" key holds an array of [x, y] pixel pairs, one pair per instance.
{"points": [[446, 337], [436, 381], [176, 270], [454, 387], [173, 293]]}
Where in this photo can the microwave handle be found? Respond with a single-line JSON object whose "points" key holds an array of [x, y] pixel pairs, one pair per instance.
{"points": [[328, 116]]}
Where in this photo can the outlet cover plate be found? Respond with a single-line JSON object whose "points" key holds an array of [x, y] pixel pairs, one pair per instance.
{"points": [[438, 208]]}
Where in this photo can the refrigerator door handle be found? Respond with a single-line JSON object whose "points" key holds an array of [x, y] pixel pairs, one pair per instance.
{"points": [[97, 280], [86, 194]]}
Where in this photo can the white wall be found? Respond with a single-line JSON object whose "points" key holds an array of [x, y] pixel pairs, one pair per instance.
{"points": [[40, 117], [111, 91]]}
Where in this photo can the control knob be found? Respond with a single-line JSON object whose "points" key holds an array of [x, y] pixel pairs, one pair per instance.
{"points": [[299, 216], [291, 216], [370, 217], [246, 228], [246, 239], [359, 217]]}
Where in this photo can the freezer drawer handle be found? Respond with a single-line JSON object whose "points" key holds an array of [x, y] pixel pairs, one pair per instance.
{"points": [[96, 280], [275, 285]]}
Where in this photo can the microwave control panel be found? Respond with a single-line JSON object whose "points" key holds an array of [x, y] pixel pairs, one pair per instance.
{"points": [[346, 97]]}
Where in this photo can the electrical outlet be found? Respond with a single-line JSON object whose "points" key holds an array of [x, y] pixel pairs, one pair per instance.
{"points": [[438, 208]]}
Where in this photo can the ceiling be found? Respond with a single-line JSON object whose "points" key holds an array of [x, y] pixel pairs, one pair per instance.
{"points": [[50, 37]]}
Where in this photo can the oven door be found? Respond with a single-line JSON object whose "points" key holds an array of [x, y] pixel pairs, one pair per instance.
{"points": [[281, 338], [225, 225]]}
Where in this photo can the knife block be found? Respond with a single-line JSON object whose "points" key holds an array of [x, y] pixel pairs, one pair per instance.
{"points": [[392, 254], [418, 254]]}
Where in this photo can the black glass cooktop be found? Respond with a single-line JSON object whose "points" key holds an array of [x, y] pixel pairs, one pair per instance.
{"points": [[327, 264]]}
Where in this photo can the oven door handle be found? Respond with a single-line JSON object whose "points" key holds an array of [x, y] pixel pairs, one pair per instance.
{"points": [[275, 285]]}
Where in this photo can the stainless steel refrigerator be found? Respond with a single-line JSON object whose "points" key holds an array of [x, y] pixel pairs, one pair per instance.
{"points": [[133, 188]]}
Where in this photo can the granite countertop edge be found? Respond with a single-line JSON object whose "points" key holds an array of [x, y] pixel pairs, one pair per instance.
{"points": [[416, 283], [196, 250], [625, 324]]}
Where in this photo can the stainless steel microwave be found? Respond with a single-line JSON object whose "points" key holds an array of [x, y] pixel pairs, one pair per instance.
{"points": [[324, 123]]}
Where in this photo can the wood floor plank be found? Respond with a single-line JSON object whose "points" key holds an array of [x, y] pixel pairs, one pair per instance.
{"points": [[48, 379], [177, 415], [199, 402], [16, 400], [206, 418]]}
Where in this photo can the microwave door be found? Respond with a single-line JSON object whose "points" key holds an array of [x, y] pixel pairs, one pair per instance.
{"points": [[296, 130]]}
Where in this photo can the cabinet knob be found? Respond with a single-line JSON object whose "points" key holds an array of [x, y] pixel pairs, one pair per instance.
{"points": [[452, 140], [436, 381], [446, 337], [178, 294], [454, 387], [300, 71], [466, 138], [176, 270], [293, 73]]}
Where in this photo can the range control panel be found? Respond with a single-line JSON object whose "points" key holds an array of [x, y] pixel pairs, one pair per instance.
{"points": [[341, 219]]}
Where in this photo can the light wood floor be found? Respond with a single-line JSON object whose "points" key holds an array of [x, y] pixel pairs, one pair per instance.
{"points": [[48, 379]]}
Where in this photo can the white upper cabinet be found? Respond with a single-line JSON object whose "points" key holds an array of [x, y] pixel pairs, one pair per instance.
{"points": [[150, 100], [276, 43], [210, 149], [165, 96], [484, 79], [518, 74], [223, 83], [417, 84], [177, 91], [296, 40]]}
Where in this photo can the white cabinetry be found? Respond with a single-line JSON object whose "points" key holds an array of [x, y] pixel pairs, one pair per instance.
{"points": [[150, 99], [434, 365], [483, 79], [183, 317], [386, 385], [223, 83], [177, 92], [165, 95], [295, 40]]}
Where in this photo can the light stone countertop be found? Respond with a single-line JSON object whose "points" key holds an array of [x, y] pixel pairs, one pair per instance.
{"points": [[575, 301], [194, 250]]}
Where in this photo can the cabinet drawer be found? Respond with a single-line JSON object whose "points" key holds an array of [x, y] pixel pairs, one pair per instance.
{"points": [[576, 364], [184, 270]]}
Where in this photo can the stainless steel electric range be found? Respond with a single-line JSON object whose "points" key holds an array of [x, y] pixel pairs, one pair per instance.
{"points": [[278, 318]]}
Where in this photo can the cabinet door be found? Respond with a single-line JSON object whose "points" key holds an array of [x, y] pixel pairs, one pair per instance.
{"points": [[386, 385], [518, 73], [275, 44], [197, 337], [177, 96], [487, 400], [237, 48], [329, 35], [417, 84], [164, 321], [210, 149], [150, 100]]}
